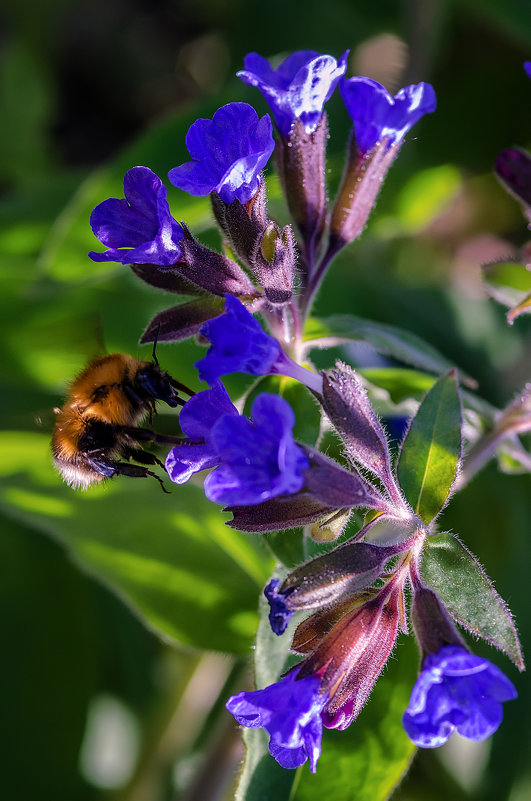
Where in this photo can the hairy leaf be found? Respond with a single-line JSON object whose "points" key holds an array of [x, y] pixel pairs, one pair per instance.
{"points": [[467, 592], [431, 450]]}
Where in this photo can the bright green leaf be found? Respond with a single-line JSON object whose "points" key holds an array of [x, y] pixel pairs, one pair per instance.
{"points": [[185, 573], [467, 592], [431, 451]]}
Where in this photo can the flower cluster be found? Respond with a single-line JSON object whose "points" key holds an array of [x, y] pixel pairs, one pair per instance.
{"points": [[349, 601]]}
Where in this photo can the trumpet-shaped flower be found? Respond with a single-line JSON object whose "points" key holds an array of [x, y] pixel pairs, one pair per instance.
{"points": [[456, 690], [139, 229], [298, 88], [290, 711], [378, 115], [255, 459], [228, 153]]}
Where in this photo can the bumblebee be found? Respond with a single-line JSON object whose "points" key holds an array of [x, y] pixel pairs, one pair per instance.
{"points": [[99, 423]]}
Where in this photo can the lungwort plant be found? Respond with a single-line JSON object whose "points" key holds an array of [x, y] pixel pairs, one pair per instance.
{"points": [[352, 518]]}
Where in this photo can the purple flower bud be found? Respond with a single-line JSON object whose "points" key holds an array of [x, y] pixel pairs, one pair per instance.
{"points": [[229, 152], [349, 650], [378, 115], [326, 580], [298, 88], [239, 344], [279, 614], [513, 168], [255, 460], [139, 229], [290, 711], [456, 690]]}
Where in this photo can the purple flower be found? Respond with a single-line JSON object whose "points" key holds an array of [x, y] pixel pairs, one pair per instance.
{"points": [[279, 615], [527, 67], [229, 151], [239, 344], [290, 711], [198, 418], [456, 690], [255, 460], [139, 229], [378, 115], [298, 88]]}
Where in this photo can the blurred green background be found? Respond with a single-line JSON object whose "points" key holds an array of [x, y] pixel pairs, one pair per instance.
{"points": [[127, 615]]}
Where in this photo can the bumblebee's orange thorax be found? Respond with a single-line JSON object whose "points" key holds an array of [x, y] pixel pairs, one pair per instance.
{"points": [[98, 391]]}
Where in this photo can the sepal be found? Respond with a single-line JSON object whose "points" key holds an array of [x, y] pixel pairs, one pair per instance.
{"points": [[329, 482], [213, 272], [513, 169], [432, 624], [285, 512], [182, 321], [346, 403], [351, 655], [170, 279], [332, 576], [242, 224], [362, 179], [301, 161]]}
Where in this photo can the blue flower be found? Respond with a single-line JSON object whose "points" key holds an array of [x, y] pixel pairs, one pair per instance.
{"points": [[239, 344], [139, 229], [377, 114], [258, 458], [198, 418], [298, 88], [254, 460], [229, 151], [279, 615], [527, 68], [456, 690], [290, 711]]}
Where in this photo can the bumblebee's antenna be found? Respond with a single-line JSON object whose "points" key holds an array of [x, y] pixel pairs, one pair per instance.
{"points": [[155, 340]]}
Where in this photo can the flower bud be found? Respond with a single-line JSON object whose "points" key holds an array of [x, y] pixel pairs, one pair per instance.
{"points": [[274, 262], [325, 580]]}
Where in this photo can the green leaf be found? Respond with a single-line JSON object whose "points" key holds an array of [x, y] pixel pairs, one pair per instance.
{"points": [[467, 592], [402, 345], [431, 451], [188, 576], [363, 763]]}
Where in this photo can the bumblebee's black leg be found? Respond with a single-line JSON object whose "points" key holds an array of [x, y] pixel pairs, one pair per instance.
{"points": [[145, 435], [108, 468], [141, 456]]}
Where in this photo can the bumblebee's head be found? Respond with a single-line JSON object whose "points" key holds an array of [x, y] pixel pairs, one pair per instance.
{"points": [[153, 382]]}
